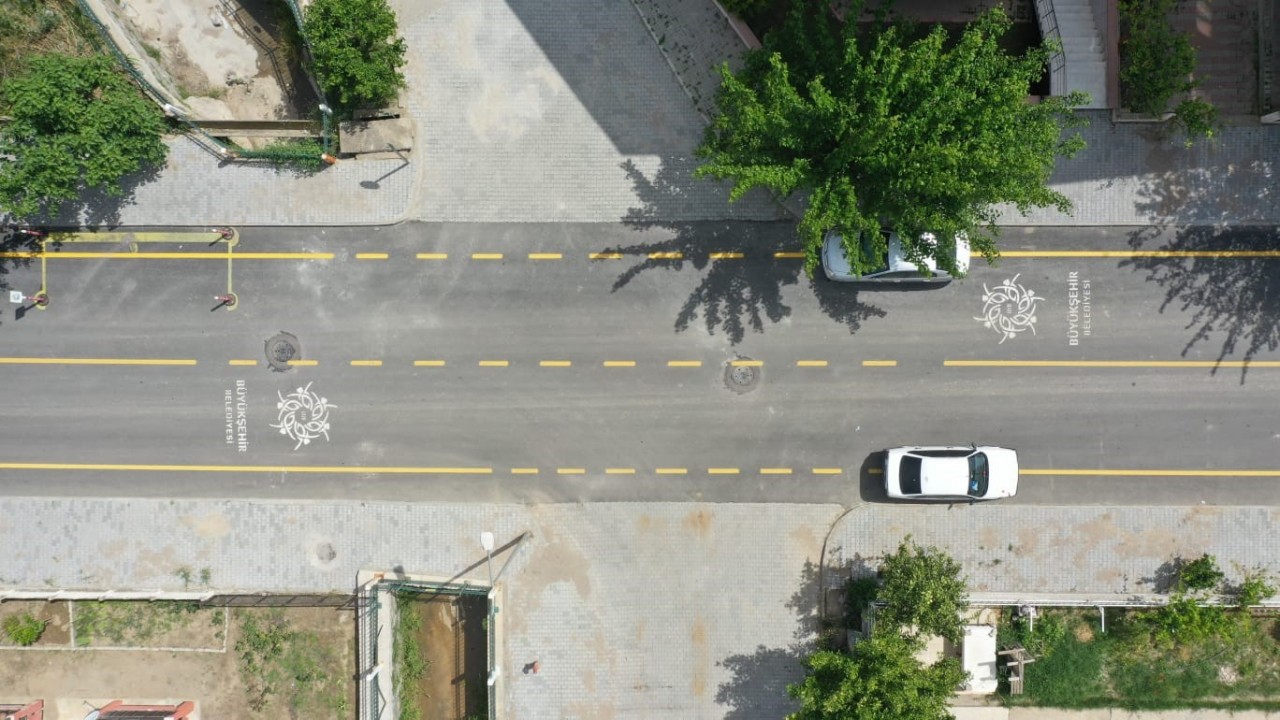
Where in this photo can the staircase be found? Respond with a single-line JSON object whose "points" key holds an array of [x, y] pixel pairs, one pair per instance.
{"points": [[1084, 63]]}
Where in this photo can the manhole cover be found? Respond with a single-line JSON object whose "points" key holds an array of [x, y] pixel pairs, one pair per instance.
{"points": [[281, 349], [741, 375]]}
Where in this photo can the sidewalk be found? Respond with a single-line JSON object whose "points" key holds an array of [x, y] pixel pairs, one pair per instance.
{"points": [[581, 111], [703, 610], [994, 713]]}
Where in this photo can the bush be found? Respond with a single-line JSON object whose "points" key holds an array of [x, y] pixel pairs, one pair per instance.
{"points": [[744, 8], [1253, 590], [1185, 620], [357, 54], [858, 594], [24, 629], [1156, 65], [1202, 573]]}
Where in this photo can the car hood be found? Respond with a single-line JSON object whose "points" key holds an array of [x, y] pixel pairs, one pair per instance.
{"points": [[833, 256], [1002, 479]]}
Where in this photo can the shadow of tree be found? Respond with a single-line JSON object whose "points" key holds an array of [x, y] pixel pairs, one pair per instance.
{"points": [[758, 687], [740, 289], [1235, 299]]}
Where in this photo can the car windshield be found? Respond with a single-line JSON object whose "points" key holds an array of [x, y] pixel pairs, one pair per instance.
{"points": [[978, 475], [909, 475], [876, 260]]}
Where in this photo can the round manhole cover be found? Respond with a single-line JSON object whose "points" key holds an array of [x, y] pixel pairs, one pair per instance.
{"points": [[742, 375], [282, 348]]}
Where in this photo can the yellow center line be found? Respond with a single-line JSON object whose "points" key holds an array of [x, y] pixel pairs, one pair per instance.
{"points": [[666, 256], [304, 363], [249, 363], [1090, 472], [93, 361], [879, 363], [336, 469], [367, 256], [827, 471], [524, 471], [789, 255], [619, 363], [366, 363], [722, 471], [746, 363], [486, 256], [672, 471], [604, 256], [428, 363], [684, 363], [1116, 363], [1140, 254], [494, 363], [433, 256], [545, 256], [811, 363], [619, 471], [169, 255], [727, 256], [555, 363], [775, 471], [571, 471]]}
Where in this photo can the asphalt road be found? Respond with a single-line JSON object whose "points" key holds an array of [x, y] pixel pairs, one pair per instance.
{"points": [[492, 363]]}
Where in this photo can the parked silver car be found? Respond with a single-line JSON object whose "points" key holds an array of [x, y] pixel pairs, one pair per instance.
{"points": [[892, 265], [945, 472]]}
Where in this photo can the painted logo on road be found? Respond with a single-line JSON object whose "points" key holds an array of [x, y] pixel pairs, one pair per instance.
{"points": [[1009, 308], [303, 416]]}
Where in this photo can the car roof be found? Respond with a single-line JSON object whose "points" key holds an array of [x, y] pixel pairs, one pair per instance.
{"points": [[898, 261]]}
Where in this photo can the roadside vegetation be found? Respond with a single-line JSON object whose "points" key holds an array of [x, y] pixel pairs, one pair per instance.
{"points": [[24, 630], [1157, 65], [356, 50], [411, 663], [137, 623], [295, 668]]}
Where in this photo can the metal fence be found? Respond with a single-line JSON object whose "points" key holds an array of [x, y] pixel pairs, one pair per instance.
{"points": [[1057, 60]]}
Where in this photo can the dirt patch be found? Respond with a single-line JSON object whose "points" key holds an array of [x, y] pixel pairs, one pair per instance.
{"points": [[319, 645], [451, 637], [57, 619]]}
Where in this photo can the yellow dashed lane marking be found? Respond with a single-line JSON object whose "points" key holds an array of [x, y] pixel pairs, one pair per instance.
{"points": [[746, 363], [433, 256], [304, 363], [879, 363], [1115, 363], [811, 363], [555, 363], [372, 256], [428, 363], [619, 363], [684, 363], [619, 471], [524, 471], [571, 471], [775, 471], [170, 255], [249, 363], [1140, 253], [672, 471], [93, 361], [366, 363], [827, 471], [727, 256], [1149, 473], [604, 256], [723, 471], [789, 255], [336, 469], [545, 256], [494, 363], [666, 256], [486, 256]]}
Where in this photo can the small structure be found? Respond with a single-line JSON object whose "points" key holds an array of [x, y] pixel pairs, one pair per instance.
{"points": [[1017, 659], [118, 710], [978, 658], [377, 134], [33, 710]]}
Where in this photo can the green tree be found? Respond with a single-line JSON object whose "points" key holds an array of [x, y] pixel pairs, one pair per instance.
{"points": [[896, 126], [77, 123], [922, 588], [880, 679], [356, 52]]}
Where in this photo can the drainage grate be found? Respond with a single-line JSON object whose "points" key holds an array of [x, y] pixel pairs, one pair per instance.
{"points": [[282, 348], [741, 378]]}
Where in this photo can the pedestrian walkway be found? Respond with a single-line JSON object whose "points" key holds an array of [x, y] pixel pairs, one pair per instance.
{"points": [[703, 610]]}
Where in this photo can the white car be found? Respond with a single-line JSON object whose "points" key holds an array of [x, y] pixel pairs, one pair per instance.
{"points": [[944, 472], [892, 267]]}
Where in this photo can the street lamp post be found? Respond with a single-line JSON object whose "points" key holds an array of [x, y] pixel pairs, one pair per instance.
{"points": [[486, 541]]}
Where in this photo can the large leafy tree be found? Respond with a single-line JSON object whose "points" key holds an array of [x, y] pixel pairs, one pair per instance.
{"points": [[923, 592], [76, 123], [355, 49], [880, 679], [897, 126]]}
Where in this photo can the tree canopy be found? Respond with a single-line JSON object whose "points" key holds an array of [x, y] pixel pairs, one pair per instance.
{"points": [[76, 123], [922, 588], [897, 126], [880, 679], [356, 52]]}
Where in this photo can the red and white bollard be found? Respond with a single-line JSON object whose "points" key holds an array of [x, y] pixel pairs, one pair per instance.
{"points": [[229, 299], [41, 299], [224, 233]]}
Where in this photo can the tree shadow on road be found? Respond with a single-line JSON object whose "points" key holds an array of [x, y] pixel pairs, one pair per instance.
{"points": [[742, 277], [1234, 300]]}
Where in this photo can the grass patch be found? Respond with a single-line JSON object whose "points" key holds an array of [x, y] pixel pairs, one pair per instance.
{"points": [[28, 27], [24, 629], [1164, 658], [410, 663], [135, 623], [294, 667]]}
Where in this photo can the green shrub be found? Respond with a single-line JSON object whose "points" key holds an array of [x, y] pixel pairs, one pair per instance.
{"points": [[24, 629], [1202, 573], [356, 52], [1184, 620], [858, 594], [1253, 590], [744, 8], [1156, 63]]}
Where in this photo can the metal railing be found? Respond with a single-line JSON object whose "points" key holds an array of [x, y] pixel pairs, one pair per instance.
{"points": [[1057, 59]]}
